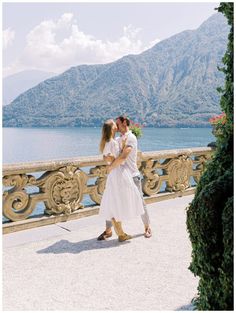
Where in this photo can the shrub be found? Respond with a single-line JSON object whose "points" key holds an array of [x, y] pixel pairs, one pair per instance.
{"points": [[210, 215]]}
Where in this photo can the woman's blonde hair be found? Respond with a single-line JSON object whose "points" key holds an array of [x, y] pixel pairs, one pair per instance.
{"points": [[106, 133]]}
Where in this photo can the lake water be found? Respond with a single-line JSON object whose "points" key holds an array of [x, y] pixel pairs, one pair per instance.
{"points": [[34, 144]]}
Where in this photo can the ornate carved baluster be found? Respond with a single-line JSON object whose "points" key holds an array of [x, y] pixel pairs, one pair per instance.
{"points": [[64, 190], [97, 190], [151, 182], [201, 164], [17, 204], [179, 171]]}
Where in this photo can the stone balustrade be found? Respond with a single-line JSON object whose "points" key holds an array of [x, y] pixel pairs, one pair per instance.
{"points": [[62, 184]]}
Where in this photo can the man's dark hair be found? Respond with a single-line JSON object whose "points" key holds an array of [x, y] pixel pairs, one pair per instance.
{"points": [[123, 118]]}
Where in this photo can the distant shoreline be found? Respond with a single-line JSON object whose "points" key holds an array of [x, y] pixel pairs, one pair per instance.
{"points": [[99, 126]]}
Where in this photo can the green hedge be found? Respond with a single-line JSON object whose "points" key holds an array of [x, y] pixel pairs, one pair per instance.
{"points": [[210, 215]]}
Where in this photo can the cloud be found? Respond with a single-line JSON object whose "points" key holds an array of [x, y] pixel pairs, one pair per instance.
{"points": [[56, 45], [8, 36]]}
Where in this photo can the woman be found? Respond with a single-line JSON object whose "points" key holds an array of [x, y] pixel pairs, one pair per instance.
{"points": [[121, 199]]}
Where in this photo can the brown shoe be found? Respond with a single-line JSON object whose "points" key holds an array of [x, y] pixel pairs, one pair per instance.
{"points": [[148, 233], [124, 237], [104, 236]]}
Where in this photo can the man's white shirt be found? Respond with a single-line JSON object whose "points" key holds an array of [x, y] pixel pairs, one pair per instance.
{"points": [[131, 161]]}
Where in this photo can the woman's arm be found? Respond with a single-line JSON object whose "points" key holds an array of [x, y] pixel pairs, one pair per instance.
{"points": [[108, 158], [121, 158]]}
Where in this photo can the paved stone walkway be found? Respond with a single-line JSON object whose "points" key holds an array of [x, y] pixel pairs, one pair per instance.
{"points": [[64, 267]]}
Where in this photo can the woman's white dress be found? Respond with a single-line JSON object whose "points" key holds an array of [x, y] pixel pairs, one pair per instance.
{"points": [[121, 198]]}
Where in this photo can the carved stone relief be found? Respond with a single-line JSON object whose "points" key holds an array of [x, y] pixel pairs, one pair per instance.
{"points": [[179, 171], [64, 189]]}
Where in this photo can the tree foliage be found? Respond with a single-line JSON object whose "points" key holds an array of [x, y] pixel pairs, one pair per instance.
{"points": [[210, 215]]}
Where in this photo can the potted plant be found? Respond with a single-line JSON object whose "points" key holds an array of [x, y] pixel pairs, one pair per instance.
{"points": [[136, 129], [218, 123]]}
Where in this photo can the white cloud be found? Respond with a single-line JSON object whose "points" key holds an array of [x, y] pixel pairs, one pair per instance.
{"points": [[8, 36], [57, 45]]}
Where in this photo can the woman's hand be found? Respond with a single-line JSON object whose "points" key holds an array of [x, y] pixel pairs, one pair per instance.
{"points": [[109, 159]]}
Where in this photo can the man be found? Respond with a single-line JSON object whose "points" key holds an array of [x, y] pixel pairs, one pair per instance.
{"points": [[128, 158]]}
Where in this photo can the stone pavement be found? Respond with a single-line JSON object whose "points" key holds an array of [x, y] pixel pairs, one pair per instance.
{"points": [[64, 267]]}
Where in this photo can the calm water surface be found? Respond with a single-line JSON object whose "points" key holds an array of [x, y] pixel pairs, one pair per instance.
{"points": [[34, 144]]}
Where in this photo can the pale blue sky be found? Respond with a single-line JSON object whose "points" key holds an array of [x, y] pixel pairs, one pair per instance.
{"points": [[88, 33]]}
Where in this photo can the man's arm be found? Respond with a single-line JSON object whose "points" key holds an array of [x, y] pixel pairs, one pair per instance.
{"points": [[121, 158]]}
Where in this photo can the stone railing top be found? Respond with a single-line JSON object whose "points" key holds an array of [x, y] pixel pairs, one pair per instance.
{"points": [[175, 152], [38, 166]]}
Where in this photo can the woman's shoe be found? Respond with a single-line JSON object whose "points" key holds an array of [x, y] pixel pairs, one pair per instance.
{"points": [[148, 233], [104, 235]]}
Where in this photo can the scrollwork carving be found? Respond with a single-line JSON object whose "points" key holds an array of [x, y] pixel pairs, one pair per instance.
{"points": [[17, 204], [151, 182], [64, 189], [179, 171], [18, 181], [99, 187], [201, 164]]}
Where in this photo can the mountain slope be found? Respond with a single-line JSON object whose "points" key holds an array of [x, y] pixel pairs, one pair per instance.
{"points": [[16, 84], [172, 84]]}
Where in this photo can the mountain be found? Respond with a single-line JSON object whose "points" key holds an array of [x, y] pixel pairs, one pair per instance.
{"points": [[173, 84], [18, 83]]}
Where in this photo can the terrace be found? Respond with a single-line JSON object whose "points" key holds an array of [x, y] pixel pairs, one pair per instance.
{"points": [[53, 261]]}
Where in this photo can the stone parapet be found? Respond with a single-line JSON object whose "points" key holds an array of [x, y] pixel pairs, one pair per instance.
{"points": [[62, 184]]}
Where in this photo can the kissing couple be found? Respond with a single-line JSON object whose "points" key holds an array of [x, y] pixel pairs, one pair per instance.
{"points": [[123, 197]]}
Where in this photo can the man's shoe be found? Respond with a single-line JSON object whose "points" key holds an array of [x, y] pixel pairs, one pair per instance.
{"points": [[124, 237], [104, 236]]}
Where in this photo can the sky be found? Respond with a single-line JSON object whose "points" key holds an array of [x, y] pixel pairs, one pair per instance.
{"points": [[52, 37]]}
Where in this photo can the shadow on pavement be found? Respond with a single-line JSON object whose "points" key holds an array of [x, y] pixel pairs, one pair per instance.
{"points": [[188, 307], [65, 246]]}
